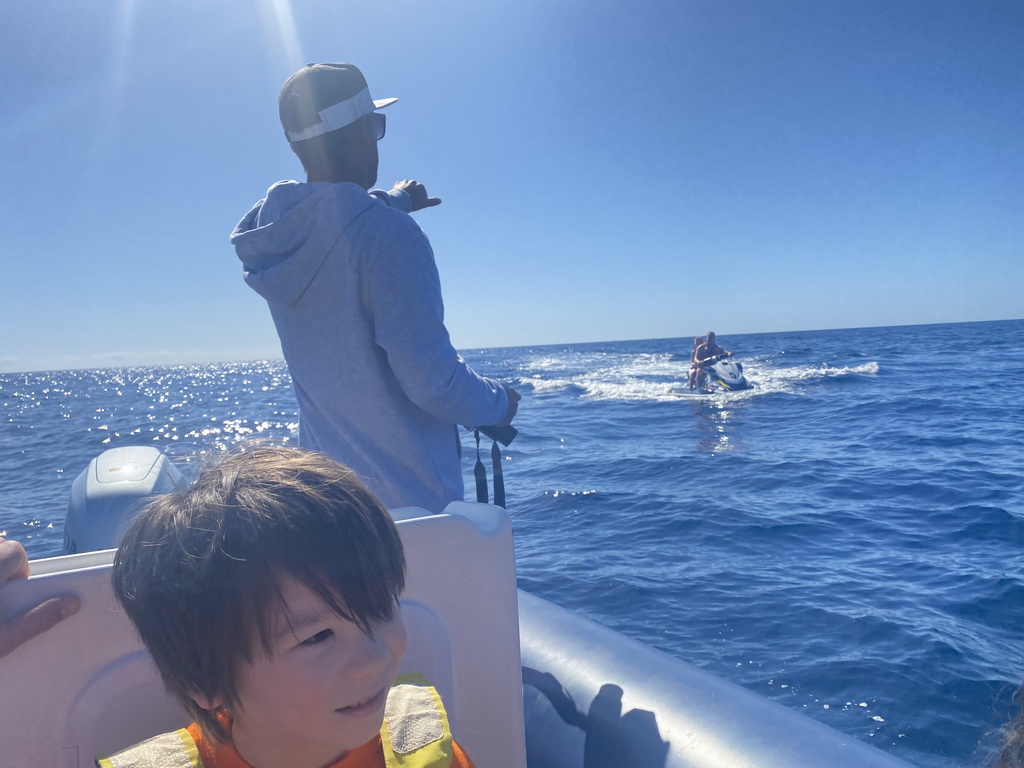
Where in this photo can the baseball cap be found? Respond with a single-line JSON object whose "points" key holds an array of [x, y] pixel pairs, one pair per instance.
{"points": [[321, 98]]}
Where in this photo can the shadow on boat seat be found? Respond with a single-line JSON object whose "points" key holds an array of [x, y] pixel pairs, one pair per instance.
{"points": [[88, 687]]}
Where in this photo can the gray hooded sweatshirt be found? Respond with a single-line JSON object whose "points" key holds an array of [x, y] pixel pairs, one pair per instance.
{"points": [[354, 292]]}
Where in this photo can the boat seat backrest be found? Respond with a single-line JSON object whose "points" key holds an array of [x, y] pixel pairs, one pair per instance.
{"points": [[88, 687]]}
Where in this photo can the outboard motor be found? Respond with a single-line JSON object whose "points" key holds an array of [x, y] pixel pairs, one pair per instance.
{"points": [[111, 490]]}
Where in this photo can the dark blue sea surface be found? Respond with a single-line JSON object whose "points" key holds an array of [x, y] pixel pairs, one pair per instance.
{"points": [[847, 538]]}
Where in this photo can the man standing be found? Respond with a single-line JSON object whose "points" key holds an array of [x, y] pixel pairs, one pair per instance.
{"points": [[354, 292]]}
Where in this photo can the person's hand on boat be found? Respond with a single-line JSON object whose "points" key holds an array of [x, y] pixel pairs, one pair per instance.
{"points": [[417, 194], [36, 620]]}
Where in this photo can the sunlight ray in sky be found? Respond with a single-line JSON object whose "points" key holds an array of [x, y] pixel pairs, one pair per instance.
{"points": [[113, 93], [279, 27]]}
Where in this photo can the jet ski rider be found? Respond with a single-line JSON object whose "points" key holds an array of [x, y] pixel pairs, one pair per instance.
{"points": [[704, 353], [697, 341]]}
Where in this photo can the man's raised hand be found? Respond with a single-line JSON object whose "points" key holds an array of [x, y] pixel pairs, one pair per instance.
{"points": [[417, 194]]}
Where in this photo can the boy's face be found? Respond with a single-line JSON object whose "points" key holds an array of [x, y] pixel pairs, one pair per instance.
{"points": [[322, 692]]}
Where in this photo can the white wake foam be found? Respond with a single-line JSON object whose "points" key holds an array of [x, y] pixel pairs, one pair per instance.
{"points": [[664, 377]]}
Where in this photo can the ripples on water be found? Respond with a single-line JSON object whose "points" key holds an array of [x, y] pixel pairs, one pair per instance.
{"points": [[846, 539], [54, 423]]}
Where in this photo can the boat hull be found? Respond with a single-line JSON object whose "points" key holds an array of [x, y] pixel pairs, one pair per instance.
{"points": [[596, 699]]}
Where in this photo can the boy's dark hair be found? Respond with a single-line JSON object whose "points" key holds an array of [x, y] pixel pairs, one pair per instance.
{"points": [[199, 571]]}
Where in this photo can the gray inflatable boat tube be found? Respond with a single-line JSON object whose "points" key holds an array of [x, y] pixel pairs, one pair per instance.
{"points": [[597, 699]]}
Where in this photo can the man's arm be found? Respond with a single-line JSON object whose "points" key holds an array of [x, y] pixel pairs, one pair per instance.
{"points": [[405, 294], [36, 620], [513, 405]]}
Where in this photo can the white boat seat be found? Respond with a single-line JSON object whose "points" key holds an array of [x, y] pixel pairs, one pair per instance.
{"points": [[88, 687]]}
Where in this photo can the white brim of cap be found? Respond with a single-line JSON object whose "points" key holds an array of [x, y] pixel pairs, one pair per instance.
{"points": [[341, 114]]}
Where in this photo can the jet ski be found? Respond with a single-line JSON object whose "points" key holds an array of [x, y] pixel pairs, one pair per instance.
{"points": [[723, 374]]}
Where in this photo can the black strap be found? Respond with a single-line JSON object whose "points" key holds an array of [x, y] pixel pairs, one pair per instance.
{"points": [[499, 477], [479, 472]]}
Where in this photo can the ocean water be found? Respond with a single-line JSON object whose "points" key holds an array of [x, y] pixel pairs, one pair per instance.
{"points": [[847, 538]]}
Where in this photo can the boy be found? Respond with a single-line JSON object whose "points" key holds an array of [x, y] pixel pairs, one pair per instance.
{"points": [[267, 594]]}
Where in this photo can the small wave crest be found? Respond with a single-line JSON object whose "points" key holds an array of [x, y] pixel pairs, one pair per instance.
{"points": [[630, 389], [779, 379], [606, 376], [598, 388], [541, 385]]}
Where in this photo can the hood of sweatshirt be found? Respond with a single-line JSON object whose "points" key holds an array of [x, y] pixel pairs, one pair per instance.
{"points": [[283, 241]]}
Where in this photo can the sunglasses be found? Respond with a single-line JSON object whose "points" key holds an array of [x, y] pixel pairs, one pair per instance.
{"points": [[379, 124]]}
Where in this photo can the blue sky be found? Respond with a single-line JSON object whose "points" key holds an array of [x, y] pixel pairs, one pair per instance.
{"points": [[609, 170]]}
